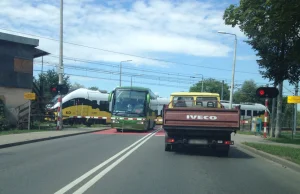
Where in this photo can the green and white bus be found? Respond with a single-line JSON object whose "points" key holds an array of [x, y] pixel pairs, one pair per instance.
{"points": [[133, 108]]}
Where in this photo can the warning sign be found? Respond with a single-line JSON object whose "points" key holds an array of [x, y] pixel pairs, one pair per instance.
{"points": [[293, 99]]}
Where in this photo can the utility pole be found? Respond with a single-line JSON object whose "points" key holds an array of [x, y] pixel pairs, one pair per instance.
{"points": [[60, 71], [233, 68], [222, 90], [295, 111]]}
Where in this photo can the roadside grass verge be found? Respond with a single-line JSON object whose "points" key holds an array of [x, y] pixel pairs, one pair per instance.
{"points": [[288, 153]]}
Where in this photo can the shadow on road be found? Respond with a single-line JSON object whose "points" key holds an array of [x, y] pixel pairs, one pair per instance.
{"points": [[233, 153]]}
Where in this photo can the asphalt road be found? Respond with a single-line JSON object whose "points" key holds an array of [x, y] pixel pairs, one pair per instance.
{"points": [[75, 165]]}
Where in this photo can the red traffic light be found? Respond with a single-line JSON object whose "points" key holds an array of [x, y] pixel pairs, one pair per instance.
{"points": [[261, 92], [53, 89]]}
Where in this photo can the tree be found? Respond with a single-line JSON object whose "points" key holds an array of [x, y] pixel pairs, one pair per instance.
{"points": [[247, 93], [76, 86], [272, 28], [94, 88], [211, 85], [47, 80]]}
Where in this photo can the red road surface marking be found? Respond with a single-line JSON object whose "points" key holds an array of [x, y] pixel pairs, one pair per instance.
{"points": [[160, 133]]}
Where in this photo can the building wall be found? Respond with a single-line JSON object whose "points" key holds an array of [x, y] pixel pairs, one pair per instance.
{"points": [[16, 64], [13, 97]]}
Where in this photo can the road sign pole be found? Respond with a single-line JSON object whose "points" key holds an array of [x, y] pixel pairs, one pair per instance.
{"points": [[29, 112], [266, 117], [295, 112]]}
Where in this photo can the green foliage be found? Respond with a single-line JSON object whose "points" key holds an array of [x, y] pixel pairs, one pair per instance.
{"points": [[48, 79], [272, 28], [76, 86], [213, 86], [247, 93], [94, 88]]}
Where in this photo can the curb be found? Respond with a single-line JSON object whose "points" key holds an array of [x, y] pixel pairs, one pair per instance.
{"points": [[276, 159], [46, 138]]}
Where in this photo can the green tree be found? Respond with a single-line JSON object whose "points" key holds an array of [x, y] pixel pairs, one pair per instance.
{"points": [[272, 28], [247, 93], [48, 79], [76, 86], [212, 85], [94, 88]]}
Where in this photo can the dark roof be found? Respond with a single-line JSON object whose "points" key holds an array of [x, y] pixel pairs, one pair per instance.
{"points": [[19, 39], [39, 53], [24, 40]]}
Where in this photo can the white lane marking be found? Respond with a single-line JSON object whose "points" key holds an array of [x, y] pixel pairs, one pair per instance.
{"points": [[91, 182], [87, 174]]}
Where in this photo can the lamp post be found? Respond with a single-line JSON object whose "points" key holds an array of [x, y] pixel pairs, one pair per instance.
{"points": [[201, 81], [134, 76], [121, 71], [233, 67]]}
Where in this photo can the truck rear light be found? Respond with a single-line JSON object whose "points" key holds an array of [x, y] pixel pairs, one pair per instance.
{"points": [[170, 140], [229, 142]]}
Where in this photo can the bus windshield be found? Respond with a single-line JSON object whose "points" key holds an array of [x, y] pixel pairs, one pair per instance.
{"points": [[129, 102]]}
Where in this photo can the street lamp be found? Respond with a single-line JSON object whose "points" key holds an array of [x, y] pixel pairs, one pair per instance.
{"points": [[121, 71], [201, 81], [134, 76], [233, 67]]}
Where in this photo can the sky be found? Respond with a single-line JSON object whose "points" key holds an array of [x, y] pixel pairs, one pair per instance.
{"points": [[166, 46]]}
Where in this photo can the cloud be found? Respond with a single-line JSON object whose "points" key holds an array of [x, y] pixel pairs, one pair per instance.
{"points": [[147, 28]]}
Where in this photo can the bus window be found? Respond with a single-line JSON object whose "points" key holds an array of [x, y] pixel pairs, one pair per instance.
{"points": [[249, 113], [255, 113], [242, 112], [94, 104]]}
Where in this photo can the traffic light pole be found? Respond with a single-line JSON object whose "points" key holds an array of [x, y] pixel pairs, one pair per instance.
{"points": [[266, 117], [60, 71]]}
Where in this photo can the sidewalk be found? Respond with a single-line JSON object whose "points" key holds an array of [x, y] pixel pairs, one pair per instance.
{"points": [[24, 138], [239, 138]]}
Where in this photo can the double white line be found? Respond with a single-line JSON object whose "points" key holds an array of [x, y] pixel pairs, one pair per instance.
{"points": [[97, 177]]}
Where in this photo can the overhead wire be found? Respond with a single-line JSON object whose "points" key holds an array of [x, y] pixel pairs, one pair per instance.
{"points": [[121, 53]]}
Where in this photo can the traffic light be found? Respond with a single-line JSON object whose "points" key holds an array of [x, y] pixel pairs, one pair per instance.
{"points": [[267, 92], [62, 88]]}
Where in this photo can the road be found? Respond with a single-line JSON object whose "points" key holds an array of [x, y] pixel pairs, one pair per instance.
{"points": [[67, 165]]}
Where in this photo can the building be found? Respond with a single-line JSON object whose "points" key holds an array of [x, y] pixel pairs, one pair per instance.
{"points": [[16, 76]]}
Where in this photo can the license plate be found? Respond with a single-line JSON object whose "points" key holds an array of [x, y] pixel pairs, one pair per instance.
{"points": [[198, 141]]}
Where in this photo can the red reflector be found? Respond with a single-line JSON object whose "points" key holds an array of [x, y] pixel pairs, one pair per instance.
{"points": [[227, 142], [170, 140]]}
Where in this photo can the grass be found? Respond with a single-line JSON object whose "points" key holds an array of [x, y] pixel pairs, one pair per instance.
{"points": [[286, 137], [288, 153], [246, 132]]}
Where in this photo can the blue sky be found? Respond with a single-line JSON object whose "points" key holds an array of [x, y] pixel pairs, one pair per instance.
{"points": [[183, 32]]}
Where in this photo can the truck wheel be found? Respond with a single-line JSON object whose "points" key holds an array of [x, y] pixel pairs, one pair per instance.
{"points": [[168, 148]]}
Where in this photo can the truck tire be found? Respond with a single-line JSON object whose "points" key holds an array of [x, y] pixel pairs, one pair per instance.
{"points": [[168, 148]]}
